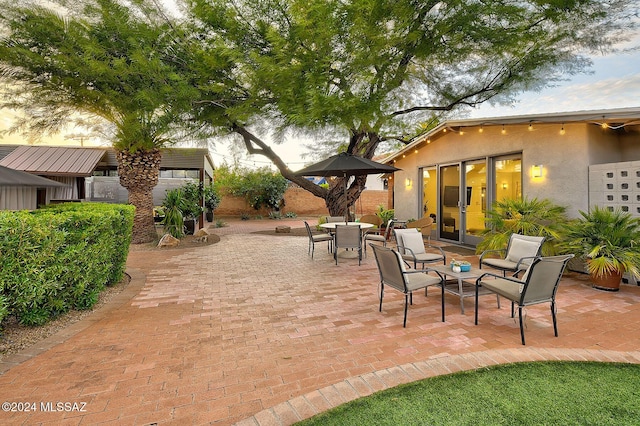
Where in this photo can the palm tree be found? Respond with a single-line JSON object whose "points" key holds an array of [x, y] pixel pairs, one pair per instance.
{"points": [[113, 63]]}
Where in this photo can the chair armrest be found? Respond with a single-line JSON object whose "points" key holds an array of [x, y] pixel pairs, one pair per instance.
{"points": [[486, 252], [523, 258], [403, 250], [441, 252], [490, 274]]}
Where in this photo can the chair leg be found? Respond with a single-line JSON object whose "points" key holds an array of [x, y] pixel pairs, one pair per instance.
{"points": [[553, 315], [406, 307], [442, 298], [513, 311], [477, 287], [381, 294], [521, 324]]}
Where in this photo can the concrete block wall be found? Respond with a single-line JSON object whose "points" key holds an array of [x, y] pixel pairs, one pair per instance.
{"points": [[615, 185]]}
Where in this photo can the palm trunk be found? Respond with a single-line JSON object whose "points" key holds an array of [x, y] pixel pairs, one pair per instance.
{"points": [[138, 173]]}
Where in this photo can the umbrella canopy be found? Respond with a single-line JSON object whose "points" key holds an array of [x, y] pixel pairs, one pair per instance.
{"points": [[345, 165], [11, 177]]}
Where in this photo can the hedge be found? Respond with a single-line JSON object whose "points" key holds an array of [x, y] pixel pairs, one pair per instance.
{"points": [[60, 257]]}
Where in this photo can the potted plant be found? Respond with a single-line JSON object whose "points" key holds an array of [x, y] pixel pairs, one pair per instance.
{"points": [[192, 208], [385, 216], [609, 243], [211, 200]]}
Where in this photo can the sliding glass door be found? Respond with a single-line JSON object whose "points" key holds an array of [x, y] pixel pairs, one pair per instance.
{"points": [[463, 201]]}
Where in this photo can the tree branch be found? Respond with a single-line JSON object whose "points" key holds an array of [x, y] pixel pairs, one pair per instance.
{"points": [[257, 146]]}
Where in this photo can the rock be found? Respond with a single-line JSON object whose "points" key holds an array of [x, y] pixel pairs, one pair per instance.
{"points": [[283, 229], [168, 241], [201, 233], [202, 239]]}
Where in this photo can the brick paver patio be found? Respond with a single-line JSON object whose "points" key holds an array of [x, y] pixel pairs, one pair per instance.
{"points": [[252, 331]]}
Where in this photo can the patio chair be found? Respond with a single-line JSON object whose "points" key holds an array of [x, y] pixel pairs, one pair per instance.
{"points": [[370, 235], [520, 252], [394, 273], [539, 284], [425, 225], [317, 238], [336, 219], [371, 218], [412, 248], [347, 237]]}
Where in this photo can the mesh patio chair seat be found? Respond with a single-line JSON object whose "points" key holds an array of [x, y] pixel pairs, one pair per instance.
{"points": [[520, 252], [539, 284], [412, 248], [347, 237], [394, 273], [317, 238]]}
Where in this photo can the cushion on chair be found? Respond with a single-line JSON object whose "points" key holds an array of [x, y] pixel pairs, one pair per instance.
{"points": [[413, 241], [522, 248], [402, 264], [427, 257], [509, 289], [500, 263], [375, 237], [421, 280]]}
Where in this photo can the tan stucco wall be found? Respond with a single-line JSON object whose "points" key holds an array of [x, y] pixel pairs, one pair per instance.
{"points": [[565, 159]]}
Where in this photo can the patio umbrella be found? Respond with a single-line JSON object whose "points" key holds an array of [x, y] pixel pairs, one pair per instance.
{"points": [[11, 177], [345, 165]]}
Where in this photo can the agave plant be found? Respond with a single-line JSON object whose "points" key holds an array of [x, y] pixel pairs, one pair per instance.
{"points": [[534, 217], [609, 241]]}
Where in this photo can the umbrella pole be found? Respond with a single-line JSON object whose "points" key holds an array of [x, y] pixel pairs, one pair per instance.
{"points": [[346, 200]]}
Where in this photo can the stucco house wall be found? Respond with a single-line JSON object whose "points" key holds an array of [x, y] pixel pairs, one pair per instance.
{"points": [[565, 145]]}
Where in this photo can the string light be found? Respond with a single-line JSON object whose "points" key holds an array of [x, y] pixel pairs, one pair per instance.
{"points": [[481, 129], [562, 129], [504, 131], [530, 127]]}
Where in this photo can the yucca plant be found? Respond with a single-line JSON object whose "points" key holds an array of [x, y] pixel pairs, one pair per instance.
{"points": [[534, 217], [608, 240]]}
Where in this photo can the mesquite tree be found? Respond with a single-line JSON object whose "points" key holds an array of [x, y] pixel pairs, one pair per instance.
{"points": [[373, 71]]}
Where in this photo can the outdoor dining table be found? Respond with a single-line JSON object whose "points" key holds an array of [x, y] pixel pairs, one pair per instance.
{"points": [[331, 226], [465, 285]]}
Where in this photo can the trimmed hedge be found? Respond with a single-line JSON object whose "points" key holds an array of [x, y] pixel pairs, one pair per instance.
{"points": [[61, 257]]}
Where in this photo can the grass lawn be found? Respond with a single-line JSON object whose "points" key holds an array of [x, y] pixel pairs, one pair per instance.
{"points": [[536, 393]]}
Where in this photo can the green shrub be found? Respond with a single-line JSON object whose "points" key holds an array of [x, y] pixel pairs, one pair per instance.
{"points": [[261, 187], [60, 257]]}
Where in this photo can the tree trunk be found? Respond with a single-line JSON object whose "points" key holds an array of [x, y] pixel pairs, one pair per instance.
{"points": [[335, 198], [138, 173]]}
